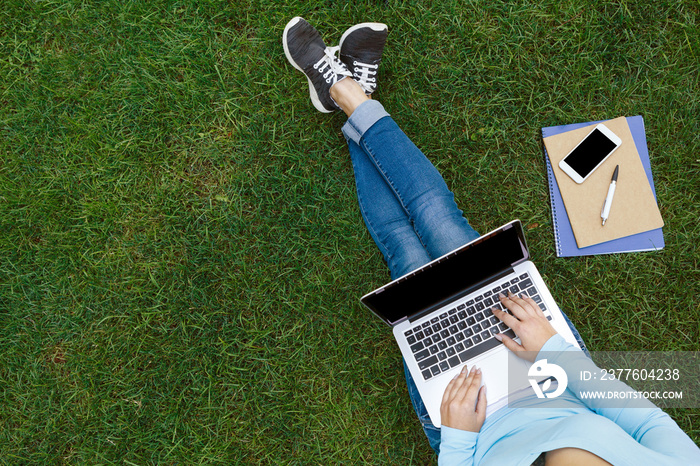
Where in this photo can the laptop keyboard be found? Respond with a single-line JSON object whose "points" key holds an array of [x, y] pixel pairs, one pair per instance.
{"points": [[466, 330]]}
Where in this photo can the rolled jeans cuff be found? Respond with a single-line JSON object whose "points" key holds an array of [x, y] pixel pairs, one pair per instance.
{"points": [[362, 119]]}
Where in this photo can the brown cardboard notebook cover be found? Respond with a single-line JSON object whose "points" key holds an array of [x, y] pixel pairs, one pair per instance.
{"points": [[634, 208]]}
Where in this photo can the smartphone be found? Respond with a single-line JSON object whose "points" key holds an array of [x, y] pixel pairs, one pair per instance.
{"points": [[590, 153]]}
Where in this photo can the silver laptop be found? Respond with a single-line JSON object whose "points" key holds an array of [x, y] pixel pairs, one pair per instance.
{"points": [[441, 314]]}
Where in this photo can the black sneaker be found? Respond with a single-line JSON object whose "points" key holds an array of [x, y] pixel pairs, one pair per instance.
{"points": [[361, 49], [307, 52]]}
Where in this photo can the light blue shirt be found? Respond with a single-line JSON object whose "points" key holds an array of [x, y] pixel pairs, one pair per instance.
{"points": [[621, 436]]}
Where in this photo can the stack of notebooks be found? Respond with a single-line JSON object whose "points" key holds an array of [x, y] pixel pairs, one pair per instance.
{"points": [[635, 220]]}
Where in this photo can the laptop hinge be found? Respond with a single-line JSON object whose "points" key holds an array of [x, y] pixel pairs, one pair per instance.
{"points": [[394, 324], [471, 289]]}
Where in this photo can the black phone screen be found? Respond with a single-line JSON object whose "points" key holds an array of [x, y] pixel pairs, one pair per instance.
{"points": [[590, 153]]}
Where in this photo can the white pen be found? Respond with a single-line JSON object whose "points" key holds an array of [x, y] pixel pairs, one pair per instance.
{"points": [[608, 199]]}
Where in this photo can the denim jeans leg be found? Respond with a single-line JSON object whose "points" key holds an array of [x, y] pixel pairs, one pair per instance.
{"points": [[414, 180], [384, 217]]}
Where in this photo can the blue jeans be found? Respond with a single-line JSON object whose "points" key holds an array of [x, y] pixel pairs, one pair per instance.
{"points": [[408, 209]]}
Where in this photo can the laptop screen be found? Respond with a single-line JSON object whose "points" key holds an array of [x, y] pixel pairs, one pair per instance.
{"points": [[451, 275]]}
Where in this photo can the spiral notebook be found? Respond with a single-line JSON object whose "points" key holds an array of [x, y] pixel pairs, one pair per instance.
{"points": [[564, 239]]}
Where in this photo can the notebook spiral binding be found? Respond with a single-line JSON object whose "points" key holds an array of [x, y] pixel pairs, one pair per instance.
{"points": [[551, 180]]}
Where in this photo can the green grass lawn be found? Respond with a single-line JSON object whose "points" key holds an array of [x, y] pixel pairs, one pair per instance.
{"points": [[181, 251]]}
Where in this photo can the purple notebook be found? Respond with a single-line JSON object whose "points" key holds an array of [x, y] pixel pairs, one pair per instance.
{"points": [[563, 234]]}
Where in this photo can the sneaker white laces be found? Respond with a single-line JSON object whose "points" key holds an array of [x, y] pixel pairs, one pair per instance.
{"points": [[330, 66], [363, 74]]}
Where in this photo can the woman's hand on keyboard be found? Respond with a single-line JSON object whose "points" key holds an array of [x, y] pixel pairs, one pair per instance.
{"points": [[464, 403], [528, 322]]}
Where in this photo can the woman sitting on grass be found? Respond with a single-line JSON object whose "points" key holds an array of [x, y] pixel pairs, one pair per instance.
{"points": [[413, 218]]}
